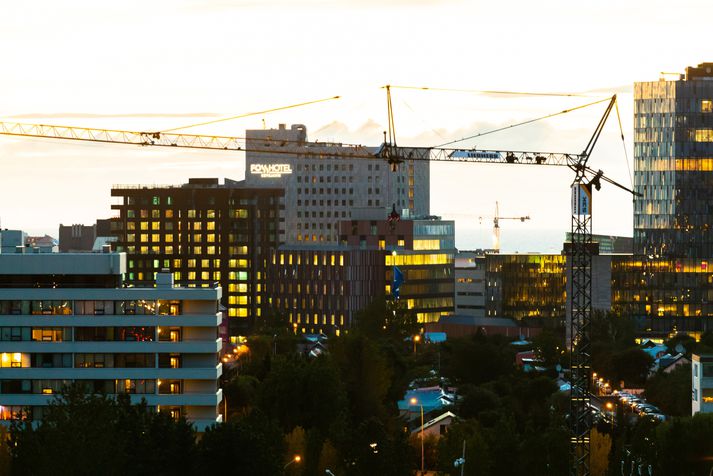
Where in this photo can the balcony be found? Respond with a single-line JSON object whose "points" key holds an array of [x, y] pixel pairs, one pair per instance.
{"points": [[108, 347], [178, 399], [183, 373], [113, 320]]}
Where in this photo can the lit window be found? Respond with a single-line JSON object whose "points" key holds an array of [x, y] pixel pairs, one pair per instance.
{"points": [[706, 105], [704, 135]]}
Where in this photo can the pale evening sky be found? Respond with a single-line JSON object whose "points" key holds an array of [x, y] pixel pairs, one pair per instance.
{"points": [[153, 65]]}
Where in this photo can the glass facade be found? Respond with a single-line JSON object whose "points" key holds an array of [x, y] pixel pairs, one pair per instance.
{"points": [[664, 294], [525, 286], [666, 283], [673, 168]]}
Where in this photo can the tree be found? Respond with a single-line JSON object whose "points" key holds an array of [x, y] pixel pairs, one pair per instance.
{"points": [[386, 318], [612, 329], [601, 444], [5, 455], [373, 448], [366, 376], [304, 392], [671, 392], [251, 446], [476, 359], [296, 444], [95, 434], [241, 394], [549, 346], [478, 456], [329, 459], [630, 365]]}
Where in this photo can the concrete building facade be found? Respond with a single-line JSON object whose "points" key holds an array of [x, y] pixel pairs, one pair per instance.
{"points": [[323, 184], [66, 318], [701, 384], [470, 283]]}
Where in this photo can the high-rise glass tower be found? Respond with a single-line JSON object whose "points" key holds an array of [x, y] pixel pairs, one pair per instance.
{"points": [[673, 165]]}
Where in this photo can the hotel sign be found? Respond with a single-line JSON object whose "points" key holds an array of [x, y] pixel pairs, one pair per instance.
{"points": [[270, 170]]}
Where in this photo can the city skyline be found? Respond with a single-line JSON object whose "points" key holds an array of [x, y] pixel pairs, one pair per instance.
{"points": [[120, 69]]}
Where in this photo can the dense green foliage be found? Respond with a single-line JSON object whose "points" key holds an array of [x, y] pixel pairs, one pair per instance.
{"points": [[90, 434], [339, 412]]}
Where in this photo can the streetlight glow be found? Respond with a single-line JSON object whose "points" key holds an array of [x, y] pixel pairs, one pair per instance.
{"points": [[414, 401], [296, 459]]}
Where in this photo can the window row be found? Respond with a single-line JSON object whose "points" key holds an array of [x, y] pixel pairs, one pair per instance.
{"points": [[95, 307]]}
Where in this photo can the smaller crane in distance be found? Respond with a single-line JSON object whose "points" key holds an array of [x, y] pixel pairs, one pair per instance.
{"points": [[496, 225]]}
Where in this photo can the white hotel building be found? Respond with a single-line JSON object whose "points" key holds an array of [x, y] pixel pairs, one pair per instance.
{"points": [[67, 318], [324, 185]]}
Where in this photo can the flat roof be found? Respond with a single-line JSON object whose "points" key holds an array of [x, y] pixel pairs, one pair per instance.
{"points": [[62, 263]]}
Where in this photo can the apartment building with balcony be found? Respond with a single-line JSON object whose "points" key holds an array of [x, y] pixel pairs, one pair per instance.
{"points": [[68, 318]]}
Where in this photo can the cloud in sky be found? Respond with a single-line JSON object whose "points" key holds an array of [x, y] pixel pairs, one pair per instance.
{"points": [[128, 115], [334, 4]]}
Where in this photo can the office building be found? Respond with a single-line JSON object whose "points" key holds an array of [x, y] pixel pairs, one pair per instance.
{"points": [[322, 288], [665, 284], [422, 249], [323, 184], [67, 318], [530, 285], [673, 165], [203, 232]]}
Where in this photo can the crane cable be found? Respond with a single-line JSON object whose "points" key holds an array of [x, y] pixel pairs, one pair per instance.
{"points": [[521, 123], [623, 143], [476, 91], [253, 114]]}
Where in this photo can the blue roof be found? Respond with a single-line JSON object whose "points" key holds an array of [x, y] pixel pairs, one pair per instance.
{"points": [[436, 337], [431, 398]]}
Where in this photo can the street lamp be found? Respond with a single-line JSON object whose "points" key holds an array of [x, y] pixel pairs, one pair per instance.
{"points": [[296, 459], [416, 339], [610, 408], [414, 401]]}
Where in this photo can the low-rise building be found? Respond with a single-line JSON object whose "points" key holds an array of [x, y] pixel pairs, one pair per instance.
{"points": [[702, 383], [67, 318]]}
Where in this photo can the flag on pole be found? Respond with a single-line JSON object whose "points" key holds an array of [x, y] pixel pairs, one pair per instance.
{"points": [[398, 280]]}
